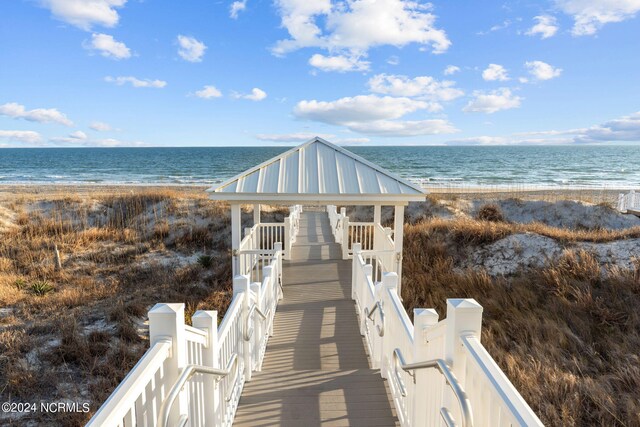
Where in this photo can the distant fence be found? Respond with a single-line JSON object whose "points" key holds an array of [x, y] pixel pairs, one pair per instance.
{"points": [[596, 194], [630, 201]]}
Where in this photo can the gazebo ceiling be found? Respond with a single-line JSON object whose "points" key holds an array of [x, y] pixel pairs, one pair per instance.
{"points": [[318, 172]]}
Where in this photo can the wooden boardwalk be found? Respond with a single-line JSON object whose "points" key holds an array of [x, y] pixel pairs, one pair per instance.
{"points": [[316, 369]]}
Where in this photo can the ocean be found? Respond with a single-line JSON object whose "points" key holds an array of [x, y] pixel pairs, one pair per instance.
{"points": [[508, 166]]}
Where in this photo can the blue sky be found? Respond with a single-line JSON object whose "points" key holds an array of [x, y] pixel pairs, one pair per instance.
{"points": [[268, 72]]}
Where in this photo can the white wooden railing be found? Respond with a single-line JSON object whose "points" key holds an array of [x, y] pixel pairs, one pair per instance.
{"points": [[437, 371], [374, 239], [194, 375], [257, 247], [629, 201]]}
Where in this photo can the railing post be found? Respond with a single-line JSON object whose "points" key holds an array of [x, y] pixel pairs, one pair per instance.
{"points": [[345, 237], [241, 284], [278, 275], [464, 317], [355, 280], [167, 321], [423, 319], [389, 283], [258, 330], [287, 238], [208, 321]]}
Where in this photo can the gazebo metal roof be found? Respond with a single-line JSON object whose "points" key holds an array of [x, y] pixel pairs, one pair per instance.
{"points": [[318, 172]]}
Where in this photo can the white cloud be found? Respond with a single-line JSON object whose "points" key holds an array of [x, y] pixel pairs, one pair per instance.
{"points": [[358, 25], [362, 108], [85, 13], [135, 82], [25, 136], [208, 92], [590, 15], [542, 71], [256, 94], [351, 141], [191, 49], [623, 129], [338, 63], [503, 25], [291, 137], [401, 128], [100, 126], [40, 115], [425, 88], [491, 102], [451, 69], [393, 60], [237, 7], [626, 128], [108, 47], [74, 137], [480, 140], [495, 72], [373, 115], [546, 26]]}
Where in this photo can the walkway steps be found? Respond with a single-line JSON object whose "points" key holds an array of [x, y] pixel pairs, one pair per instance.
{"points": [[316, 369]]}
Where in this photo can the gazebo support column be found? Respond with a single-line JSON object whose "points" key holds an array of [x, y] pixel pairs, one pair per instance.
{"points": [[377, 219], [398, 234], [236, 237], [256, 214]]}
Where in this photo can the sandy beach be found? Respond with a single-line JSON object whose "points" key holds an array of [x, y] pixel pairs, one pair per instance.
{"points": [[73, 331]]}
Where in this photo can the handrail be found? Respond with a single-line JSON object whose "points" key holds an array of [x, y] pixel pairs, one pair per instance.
{"points": [[452, 381], [132, 385], [187, 373], [248, 332], [370, 314]]}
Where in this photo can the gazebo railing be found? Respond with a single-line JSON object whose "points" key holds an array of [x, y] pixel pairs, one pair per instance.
{"points": [[375, 240]]}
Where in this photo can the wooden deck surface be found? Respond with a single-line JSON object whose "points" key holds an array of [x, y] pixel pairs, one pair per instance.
{"points": [[316, 369]]}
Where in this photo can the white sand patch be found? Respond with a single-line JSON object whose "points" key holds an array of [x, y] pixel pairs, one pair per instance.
{"points": [[562, 214], [7, 219], [515, 253], [621, 253]]}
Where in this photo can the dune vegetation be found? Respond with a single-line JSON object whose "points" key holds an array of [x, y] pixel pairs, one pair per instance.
{"points": [[566, 334], [565, 330], [74, 332]]}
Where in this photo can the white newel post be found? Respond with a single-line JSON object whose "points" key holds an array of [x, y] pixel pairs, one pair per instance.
{"points": [[287, 238], [236, 225], [167, 321], [357, 248], [398, 233], [241, 284], [464, 317], [389, 283], [208, 321], [423, 319]]}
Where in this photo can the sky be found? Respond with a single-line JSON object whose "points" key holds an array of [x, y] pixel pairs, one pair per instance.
{"points": [[278, 72]]}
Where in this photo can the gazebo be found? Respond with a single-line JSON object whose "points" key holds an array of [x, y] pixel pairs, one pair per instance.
{"points": [[319, 173]]}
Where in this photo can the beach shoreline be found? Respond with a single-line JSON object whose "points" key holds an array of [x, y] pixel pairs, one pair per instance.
{"points": [[589, 195]]}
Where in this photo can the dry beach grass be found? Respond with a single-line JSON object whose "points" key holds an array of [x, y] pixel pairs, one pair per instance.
{"points": [[566, 332], [73, 333]]}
